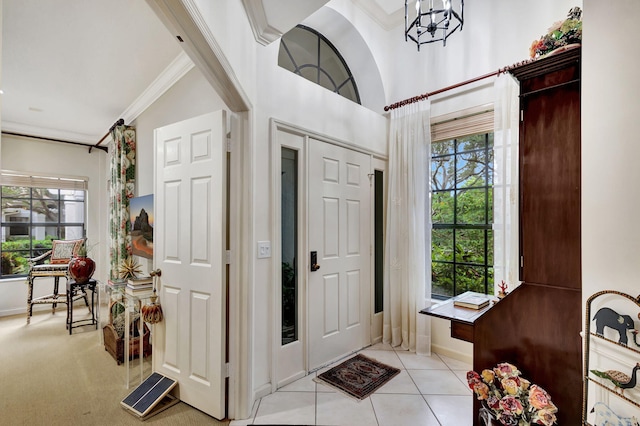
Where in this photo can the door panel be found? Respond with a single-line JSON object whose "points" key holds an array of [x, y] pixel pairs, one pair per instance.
{"points": [[190, 247], [339, 220]]}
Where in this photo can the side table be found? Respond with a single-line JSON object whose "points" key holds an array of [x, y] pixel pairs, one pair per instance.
{"points": [[73, 288]]}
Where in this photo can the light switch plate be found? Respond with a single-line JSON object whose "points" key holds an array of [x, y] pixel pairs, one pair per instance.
{"points": [[264, 249]]}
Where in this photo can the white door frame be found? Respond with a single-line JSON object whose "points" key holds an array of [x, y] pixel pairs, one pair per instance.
{"points": [[378, 163]]}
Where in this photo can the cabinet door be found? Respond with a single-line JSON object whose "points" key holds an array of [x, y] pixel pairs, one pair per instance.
{"points": [[550, 179]]}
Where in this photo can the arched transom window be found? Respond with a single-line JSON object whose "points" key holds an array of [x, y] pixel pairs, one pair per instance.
{"points": [[308, 53]]}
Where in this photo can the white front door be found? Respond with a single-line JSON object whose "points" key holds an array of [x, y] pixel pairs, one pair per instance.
{"points": [[190, 236], [339, 306]]}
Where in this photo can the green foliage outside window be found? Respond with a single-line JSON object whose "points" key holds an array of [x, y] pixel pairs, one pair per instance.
{"points": [[462, 214], [31, 219]]}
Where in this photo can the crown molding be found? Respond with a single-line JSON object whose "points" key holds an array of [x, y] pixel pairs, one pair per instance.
{"points": [[181, 65], [262, 31], [379, 15], [48, 133]]}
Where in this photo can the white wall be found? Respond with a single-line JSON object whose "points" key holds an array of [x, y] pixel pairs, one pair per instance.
{"points": [[34, 155], [610, 153]]}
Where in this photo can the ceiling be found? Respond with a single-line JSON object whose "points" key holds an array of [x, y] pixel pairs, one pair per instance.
{"points": [[71, 68]]}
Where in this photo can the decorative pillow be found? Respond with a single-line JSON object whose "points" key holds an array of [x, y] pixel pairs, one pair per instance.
{"points": [[63, 250]]}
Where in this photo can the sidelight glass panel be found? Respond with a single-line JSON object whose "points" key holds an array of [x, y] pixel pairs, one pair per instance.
{"points": [[289, 226], [379, 239]]}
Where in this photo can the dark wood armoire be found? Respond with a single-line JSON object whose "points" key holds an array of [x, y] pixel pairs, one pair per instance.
{"points": [[537, 326]]}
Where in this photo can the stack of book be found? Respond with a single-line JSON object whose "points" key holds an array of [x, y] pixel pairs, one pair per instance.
{"points": [[472, 300], [136, 286]]}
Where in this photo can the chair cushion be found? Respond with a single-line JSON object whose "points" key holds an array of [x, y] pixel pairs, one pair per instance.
{"points": [[63, 250], [49, 270]]}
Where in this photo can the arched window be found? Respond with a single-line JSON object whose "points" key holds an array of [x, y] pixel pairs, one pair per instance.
{"points": [[308, 53]]}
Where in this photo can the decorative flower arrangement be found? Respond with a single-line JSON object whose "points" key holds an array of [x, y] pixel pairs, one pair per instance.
{"points": [[513, 400], [561, 34]]}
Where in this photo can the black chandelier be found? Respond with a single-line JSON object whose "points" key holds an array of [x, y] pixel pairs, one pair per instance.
{"points": [[431, 20]]}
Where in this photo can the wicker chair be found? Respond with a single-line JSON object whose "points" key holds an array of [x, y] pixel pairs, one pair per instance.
{"points": [[59, 256]]}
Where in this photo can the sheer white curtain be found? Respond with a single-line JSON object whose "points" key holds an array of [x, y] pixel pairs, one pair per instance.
{"points": [[408, 236], [505, 181]]}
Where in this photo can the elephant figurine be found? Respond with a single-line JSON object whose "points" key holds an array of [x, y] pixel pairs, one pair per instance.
{"points": [[607, 317]]}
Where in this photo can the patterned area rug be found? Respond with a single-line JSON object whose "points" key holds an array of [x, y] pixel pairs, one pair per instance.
{"points": [[359, 376]]}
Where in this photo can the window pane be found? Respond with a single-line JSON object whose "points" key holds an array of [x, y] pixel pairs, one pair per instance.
{"points": [[14, 263], [489, 247], [473, 142], [45, 193], [443, 147], [15, 192], [284, 60], [326, 82], [303, 46], [470, 245], [472, 170], [469, 278], [442, 279], [71, 232], [330, 62], [443, 172], [442, 242], [349, 91], [309, 72], [471, 206], [71, 195], [44, 210], [305, 51], [289, 243], [72, 212], [442, 207]]}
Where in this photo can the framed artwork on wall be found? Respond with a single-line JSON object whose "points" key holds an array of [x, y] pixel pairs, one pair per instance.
{"points": [[141, 213]]}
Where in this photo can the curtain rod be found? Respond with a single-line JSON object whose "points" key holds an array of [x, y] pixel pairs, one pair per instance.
{"points": [[120, 122], [455, 86], [51, 139]]}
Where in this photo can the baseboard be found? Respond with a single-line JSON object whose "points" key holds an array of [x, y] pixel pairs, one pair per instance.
{"points": [[16, 311], [460, 356], [262, 391]]}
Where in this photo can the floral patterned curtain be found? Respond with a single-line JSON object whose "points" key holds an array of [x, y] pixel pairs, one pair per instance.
{"points": [[123, 167]]}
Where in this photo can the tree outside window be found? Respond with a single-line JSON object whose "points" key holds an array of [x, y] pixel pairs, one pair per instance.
{"points": [[462, 215], [32, 218]]}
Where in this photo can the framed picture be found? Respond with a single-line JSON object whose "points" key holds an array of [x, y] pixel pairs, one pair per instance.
{"points": [[141, 213]]}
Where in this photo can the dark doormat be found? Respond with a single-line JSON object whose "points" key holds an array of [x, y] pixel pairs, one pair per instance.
{"points": [[358, 376]]}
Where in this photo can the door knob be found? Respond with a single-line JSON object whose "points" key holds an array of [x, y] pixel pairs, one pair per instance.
{"points": [[314, 261]]}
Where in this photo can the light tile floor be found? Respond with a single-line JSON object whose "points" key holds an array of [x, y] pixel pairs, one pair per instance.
{"points": [[428, 391]]}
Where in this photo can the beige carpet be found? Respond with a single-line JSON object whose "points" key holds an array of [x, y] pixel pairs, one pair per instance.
{"points": [[48, 377]]}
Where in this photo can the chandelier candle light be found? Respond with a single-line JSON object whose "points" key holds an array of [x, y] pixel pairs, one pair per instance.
{"points": [[435, 20]]}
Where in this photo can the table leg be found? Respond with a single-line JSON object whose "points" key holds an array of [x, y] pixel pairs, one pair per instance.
{"points": [[29, 299], [56, 284], [70, 307]]}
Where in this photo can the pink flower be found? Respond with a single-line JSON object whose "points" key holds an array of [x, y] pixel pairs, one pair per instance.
{"points": [[511, 405], [472, 378], [493, 402], [539, 398], [505, 370], [544, 417]]}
